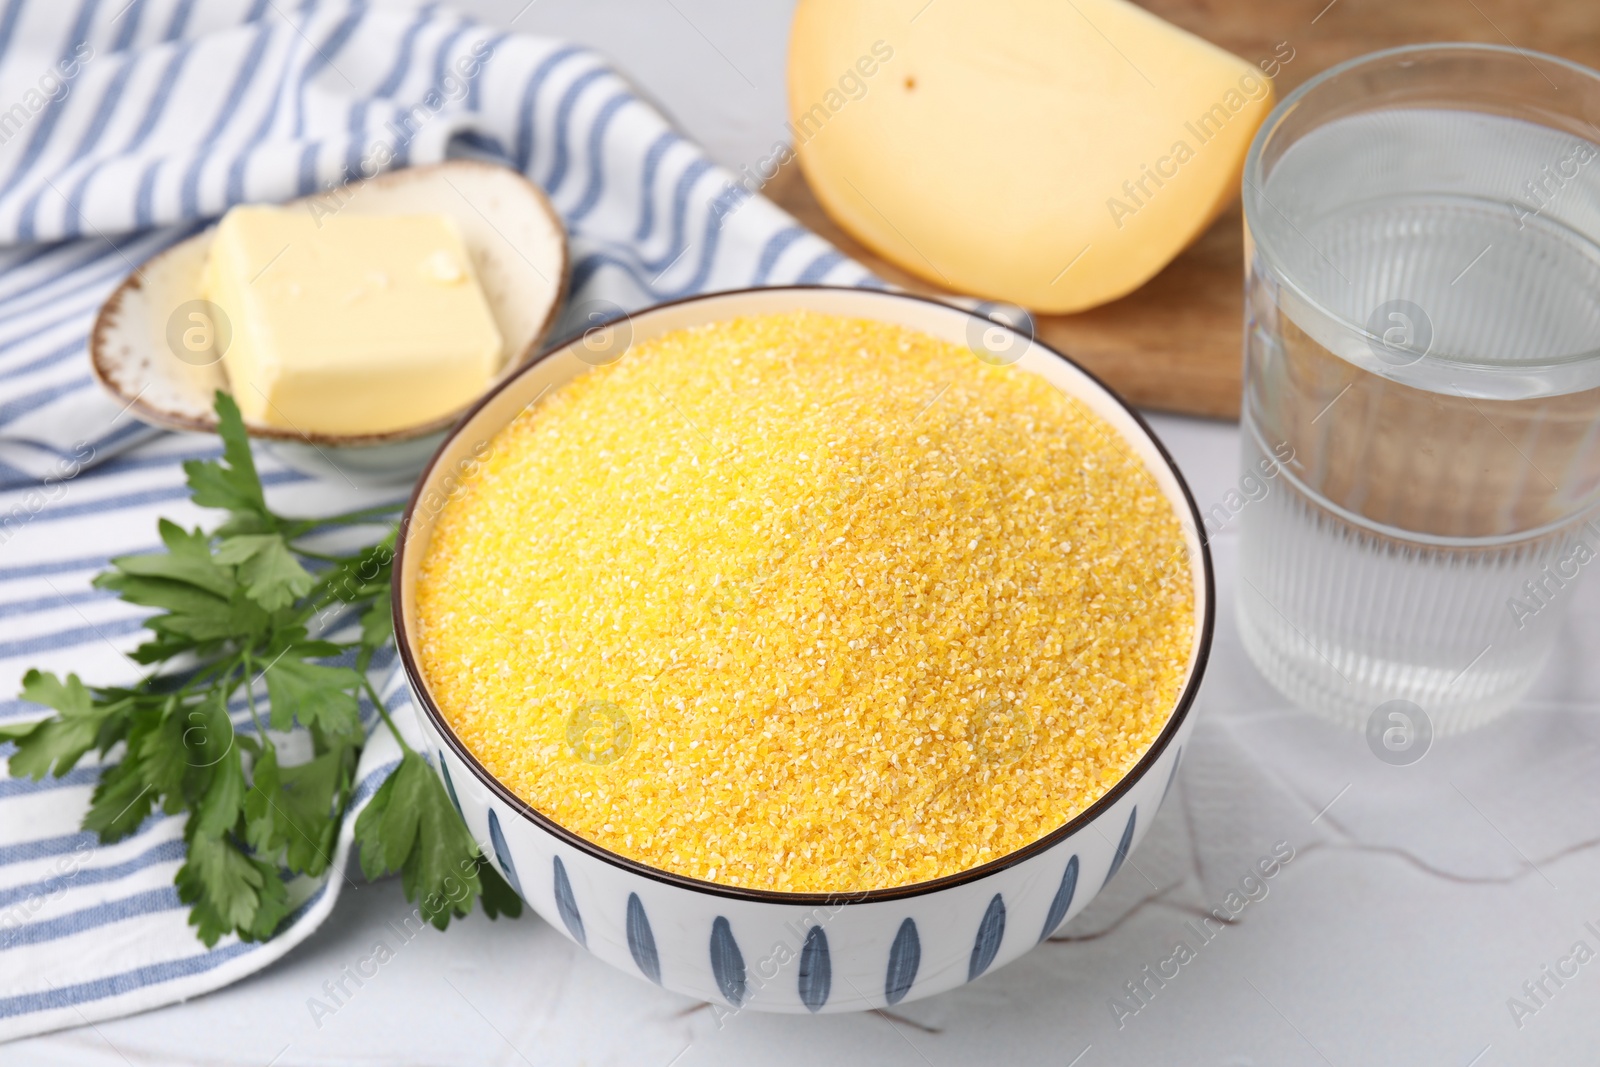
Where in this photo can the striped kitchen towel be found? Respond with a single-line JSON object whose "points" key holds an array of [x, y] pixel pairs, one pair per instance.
{"points": [[123, 128]]}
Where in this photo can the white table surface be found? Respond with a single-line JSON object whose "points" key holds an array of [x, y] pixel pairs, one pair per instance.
{"points": [[1416, 904]]}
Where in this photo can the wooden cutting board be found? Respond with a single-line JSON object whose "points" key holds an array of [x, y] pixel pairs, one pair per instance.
{"points": [[1175, 344]]}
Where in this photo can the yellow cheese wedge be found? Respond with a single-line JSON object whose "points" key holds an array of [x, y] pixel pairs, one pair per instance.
{"points": [[1052, 154], [349, 323]]}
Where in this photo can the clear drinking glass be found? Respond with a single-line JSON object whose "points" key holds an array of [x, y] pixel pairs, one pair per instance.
{"points": [[1422, 378]]}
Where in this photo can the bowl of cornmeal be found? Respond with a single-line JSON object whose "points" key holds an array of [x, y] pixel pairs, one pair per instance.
{"points": [[804, 649]]}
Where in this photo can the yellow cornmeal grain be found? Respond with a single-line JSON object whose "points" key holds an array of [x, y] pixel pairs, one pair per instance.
{"points": [[807, 603]]}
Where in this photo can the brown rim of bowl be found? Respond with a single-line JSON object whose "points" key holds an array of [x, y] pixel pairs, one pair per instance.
{"points": [[529, 354], [1180, 709]]}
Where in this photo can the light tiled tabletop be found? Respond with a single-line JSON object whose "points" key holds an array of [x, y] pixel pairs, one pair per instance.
{"points": [[1419, 899]]}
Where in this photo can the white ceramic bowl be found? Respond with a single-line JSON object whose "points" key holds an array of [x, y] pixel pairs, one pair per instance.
{"points": [[797, 952]]}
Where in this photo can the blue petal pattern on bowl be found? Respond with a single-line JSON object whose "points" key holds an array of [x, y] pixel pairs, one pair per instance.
{"points": [[727, 962], [990, 932], [816, 970], [567, 905], [502, 853], [641, 941], [450, 787], [905, 956], [1122, 846], [1063, 900]]}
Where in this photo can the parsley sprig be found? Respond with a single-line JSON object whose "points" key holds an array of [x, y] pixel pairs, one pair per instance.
{"points": [[238, 611]]}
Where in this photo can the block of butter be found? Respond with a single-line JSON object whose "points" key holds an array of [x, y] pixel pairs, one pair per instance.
{"points": [[351, 324]]}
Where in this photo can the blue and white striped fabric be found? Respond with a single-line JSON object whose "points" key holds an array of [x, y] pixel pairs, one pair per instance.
{"points": [[122, 129]]}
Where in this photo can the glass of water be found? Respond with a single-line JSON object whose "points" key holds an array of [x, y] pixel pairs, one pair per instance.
{"points": [[1422, 379]]}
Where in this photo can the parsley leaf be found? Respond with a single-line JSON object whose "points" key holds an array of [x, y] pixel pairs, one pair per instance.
{"points": [[219, 807], [187, 559], [293, 808], [122, 801], [228, 890], [410, 826], [233, 484], [498, 897], [54, 746], [377, 625], [313, 694], [267, 568]]}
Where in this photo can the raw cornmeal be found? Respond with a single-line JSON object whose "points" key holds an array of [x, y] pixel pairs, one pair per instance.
{"points": [[808, 603]]}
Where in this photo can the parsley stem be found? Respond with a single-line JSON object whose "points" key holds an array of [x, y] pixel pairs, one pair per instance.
{"points": [[377, 702], [373, 514], [323, 556], [324, 592], [195, 679], [250, 700], [208, 675]]}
